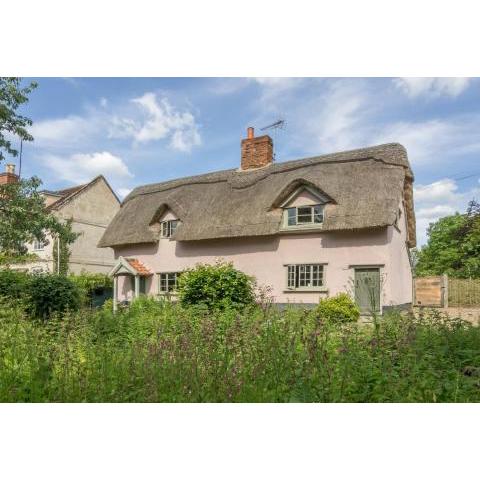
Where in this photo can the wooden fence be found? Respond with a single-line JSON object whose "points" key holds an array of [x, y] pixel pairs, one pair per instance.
{"points": [[442, 291], [464, 292]]}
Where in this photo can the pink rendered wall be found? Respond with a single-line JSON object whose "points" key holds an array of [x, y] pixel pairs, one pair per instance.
{"points": [[264, 258], [400, 270]]}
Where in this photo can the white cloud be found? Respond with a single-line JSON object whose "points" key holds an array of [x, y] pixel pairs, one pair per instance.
{"points": [[436, 200], [123, 192], [158, 120], [434, 140], [432, 87], [227, 86], [64, 131], [280, 83], [333, 118], [442, 190], [83, 167], [144, 119]]}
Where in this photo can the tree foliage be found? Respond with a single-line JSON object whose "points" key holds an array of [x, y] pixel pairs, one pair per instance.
{"points": [[453, 246], [24, 218], [12, 96]]}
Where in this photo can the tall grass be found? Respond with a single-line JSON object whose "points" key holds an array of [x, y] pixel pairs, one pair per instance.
{"points": [[161, 352]]}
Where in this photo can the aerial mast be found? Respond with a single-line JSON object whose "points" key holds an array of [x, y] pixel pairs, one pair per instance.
{"points": [[275, 126]]}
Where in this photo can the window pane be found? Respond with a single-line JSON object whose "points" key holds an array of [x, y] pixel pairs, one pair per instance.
{"points": [[304, 215], [318, 214], [168, 281], [304, 274], [317, 275], [292, 216], [291, 276], [173, 226]]}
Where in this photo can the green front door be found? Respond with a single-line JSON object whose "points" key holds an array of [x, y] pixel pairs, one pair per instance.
{"points": [[367, 289]]}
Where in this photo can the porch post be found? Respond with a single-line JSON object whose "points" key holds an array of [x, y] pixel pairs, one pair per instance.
{"points": [[137, 286], [115, 288]]}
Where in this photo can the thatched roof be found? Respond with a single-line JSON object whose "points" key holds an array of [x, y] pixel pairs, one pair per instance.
{"points": [[365, 185]]}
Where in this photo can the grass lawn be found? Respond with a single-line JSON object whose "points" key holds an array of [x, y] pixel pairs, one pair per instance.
{"points": [[161, 352]]}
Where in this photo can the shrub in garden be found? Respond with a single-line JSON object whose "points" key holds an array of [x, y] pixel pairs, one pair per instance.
{"points": [[216, 286], [13, 284], [52, 293], [340, 308], [91, 284]]}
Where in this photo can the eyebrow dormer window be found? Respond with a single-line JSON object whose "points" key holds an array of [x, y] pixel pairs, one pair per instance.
{"points": [[307, 215], [168, 228]]}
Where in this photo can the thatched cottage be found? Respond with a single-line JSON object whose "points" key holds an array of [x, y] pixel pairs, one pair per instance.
{"points": [[307, 228]]}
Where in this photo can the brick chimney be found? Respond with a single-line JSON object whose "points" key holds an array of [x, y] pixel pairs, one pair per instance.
{"points": [[9, 176], [256, 151]]}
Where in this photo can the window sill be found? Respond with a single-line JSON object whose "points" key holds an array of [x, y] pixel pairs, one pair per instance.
{"points": [[302, 228], [306, 290]]}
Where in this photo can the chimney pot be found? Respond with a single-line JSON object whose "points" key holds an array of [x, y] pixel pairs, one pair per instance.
{"points": [[9, 175], [250, 132]]}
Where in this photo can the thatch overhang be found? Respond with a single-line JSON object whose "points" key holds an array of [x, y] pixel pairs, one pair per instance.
{"points": [[365, 186]]}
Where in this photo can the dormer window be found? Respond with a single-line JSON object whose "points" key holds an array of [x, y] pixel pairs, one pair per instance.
{"points": [[304, 215], [168, 228]]}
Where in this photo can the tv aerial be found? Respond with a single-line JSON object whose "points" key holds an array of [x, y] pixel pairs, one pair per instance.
{"points": [[275, 126]]}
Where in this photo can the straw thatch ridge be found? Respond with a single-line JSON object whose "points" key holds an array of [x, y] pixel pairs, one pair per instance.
{"points": [[366, 187]]}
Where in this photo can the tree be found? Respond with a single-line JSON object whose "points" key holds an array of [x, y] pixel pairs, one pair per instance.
{"points": [[12, 96], [453, 246], [23, 216]]}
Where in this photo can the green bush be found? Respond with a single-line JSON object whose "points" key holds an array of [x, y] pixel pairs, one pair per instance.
{"points": [[13, 284], [340, 309], [49, 294], [218, 286], [91, 283]]}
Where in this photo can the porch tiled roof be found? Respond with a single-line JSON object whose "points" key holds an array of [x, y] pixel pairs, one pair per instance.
{"points": [[139, 266]]}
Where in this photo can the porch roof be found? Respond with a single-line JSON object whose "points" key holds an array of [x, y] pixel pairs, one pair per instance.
{"points": [[131, 266]]}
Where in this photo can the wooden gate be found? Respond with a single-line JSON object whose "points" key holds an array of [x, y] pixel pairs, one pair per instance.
{"points": [[430, 291]]}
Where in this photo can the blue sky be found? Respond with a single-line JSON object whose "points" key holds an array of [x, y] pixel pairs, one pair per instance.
{"points": [[144, 130]]}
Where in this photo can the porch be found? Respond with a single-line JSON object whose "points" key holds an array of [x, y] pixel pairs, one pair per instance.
{"points": [[130, 277]]}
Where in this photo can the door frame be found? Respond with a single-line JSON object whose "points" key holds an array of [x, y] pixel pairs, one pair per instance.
{"points": [[380, 268]]}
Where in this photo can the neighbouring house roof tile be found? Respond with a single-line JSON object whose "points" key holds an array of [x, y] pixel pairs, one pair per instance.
{"points": [[366, 187], [139, 267]]}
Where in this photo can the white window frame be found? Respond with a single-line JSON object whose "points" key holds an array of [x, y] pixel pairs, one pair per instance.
{"points": [[168, 227], [168, 275], [303, 223], [38, 246], [299, 271]]}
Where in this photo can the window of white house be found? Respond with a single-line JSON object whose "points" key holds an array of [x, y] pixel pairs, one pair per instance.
{"points": [[38, 245], [168, 282], [168, 228], [307, 215], [304, 276]]}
